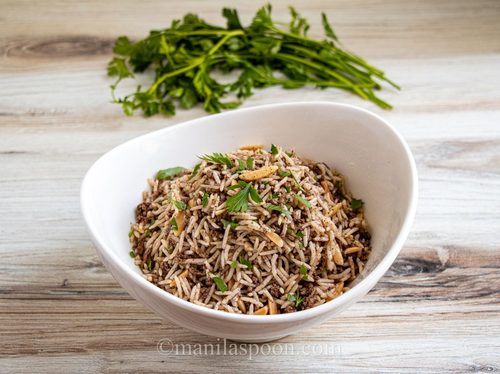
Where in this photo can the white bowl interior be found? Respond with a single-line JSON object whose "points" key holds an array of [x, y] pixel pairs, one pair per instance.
{"points": [[373, 158]]}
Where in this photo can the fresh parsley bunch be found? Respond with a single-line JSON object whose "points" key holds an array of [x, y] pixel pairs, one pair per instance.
{"points": [[185, 56]]}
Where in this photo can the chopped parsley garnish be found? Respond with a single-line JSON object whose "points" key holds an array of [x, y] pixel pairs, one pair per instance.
{"points": [[299, 234], [173, 223], [274, 195], [195, 170], [297, 184], [297, 299], [303, 271], [150, 264], [303, 201], [288, 189], [218, 158], [131, 232], [242, 260], [250, 162], [242, 165], [356, 204], [181, 205], [278, 208], [227, 223], [234, 264], [289, 153], [169, 173], [239, 201], [131, 254], [284, 174], [274, 150], [204, 199], [148, 233], [221, 285]]}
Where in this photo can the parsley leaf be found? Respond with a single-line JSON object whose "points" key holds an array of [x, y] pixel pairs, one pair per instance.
{"points": [[250, 162], [299, 234], [303, 271], [173, 223], [227, 223], [219, 282], [131, 254], [218, 158], [274, 150], [278, 208], [284, 174], [356, 204], [169, 173], [131, 232], [150, 264], [297, 298], [234, 264], [303, 201], [242, 260], [204, 199], [239, 201], [181, 205], [195, 170]]}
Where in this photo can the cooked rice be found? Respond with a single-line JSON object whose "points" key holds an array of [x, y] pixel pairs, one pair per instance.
{"points": [[298, 260]]}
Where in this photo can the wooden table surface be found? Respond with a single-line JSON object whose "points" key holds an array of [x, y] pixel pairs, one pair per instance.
{"points": [[436, 310]]}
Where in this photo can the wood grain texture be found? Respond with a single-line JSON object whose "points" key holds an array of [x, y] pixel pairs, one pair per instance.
{"points": [[436, 310]]}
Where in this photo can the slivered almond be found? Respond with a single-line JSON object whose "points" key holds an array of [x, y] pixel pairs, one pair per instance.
{"points": [[261, 311], [273, 309], [241, 305], [335, 209], [337, 292], [324, 184], [263, 172], [251, 147], [179, 219], [350, 250], [184, 274], [275, 238], [337, 256], [191, 203]]}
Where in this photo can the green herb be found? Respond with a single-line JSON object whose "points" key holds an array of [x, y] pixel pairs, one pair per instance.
{"points": [[241, 165], [284, 174], [274, 150], [239, 201], [181, 205], [148, 233], [297, 184], [131, 232], [356, 204], [131, 254], [242, 260], [204, 199], [218, 158], [195, 170], [173, 223], [278, 208], [289, 153], [274, 195], [250, 162], [227, 223], [303, 201], [184, 56], [299, 234], [297, 299], [169, 173], [303, 271], [288, 189], [234, 264], [150, 264], [221, 285]]}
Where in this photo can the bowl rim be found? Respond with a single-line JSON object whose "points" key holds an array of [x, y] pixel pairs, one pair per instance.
{"points": [[323, 309]]}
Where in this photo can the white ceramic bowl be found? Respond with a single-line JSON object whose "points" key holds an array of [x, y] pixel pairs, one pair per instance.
{"points": [[375, 160]]}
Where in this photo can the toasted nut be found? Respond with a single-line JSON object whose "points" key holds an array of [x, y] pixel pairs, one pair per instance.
{"points": [[335, 209], [275, 238], [350, 250], [273, 309], [324, 184], [191, 203], [241, 305], [261, 311], [337, 292], [251, 147], [184, 273], [263, 172], [179, 219], [337, 256]]}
